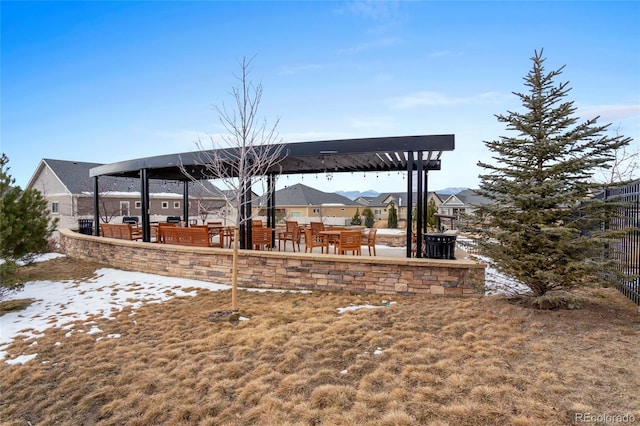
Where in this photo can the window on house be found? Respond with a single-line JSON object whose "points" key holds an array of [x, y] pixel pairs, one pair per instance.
{"points": [[176, 204], [296, 214], [55, 207], [124, 208], [376, 211], [138, 204], [165, 205], [316, 211]]}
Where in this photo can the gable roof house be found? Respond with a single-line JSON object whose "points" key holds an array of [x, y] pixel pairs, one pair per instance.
{"points": [[68, 189], [380, 205], [463, 202], [305, 204]]}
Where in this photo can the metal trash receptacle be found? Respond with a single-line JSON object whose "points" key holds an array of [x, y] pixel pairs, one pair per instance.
{"points": [[440, 246], [85, 226]]}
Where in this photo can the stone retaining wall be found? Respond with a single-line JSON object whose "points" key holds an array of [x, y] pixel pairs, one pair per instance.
{"points": [[275, 269]]}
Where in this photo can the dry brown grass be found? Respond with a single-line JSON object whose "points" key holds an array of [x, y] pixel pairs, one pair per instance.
{"points": [[421, 361]]}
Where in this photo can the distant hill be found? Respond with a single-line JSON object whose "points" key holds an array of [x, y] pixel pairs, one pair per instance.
{"points": [[355, 194], [371, 193], [450, 191]]}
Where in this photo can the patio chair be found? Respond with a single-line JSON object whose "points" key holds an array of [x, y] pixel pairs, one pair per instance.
{"points": [[256, 223], [370, 240], [350, 241], [290, 233], [311, 241], [261, 237], [216, 230], [316, 227]]}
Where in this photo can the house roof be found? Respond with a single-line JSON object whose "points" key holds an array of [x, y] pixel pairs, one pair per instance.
{"points": [[302, 195], [74, 175], [467, 197], [380, 200], [345, 155]]}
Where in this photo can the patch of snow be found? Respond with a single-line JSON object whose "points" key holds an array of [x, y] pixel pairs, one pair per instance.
{"points": [[65, 304], [62, 304], [274, 290], [378, 351], [357, 307], [41, 258], [94, 330], [38, 258], [391, 231], [21, 359], [109, 336], [344, 372]]}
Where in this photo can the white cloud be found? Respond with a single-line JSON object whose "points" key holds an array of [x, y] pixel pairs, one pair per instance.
{"points": [[431, 99], [375, 9], [611, 113]]}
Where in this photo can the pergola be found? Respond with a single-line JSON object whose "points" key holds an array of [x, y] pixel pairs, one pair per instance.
{"points": [[401, 153]]}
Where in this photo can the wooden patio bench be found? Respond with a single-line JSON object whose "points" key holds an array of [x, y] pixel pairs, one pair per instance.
{"points": [[122, 231], [193, 236]]}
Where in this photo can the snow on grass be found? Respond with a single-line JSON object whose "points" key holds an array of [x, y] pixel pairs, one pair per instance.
{"points": [[383, 304], [38, 258], [63, 304], [67, 304], [357, 307], [21, 359]]}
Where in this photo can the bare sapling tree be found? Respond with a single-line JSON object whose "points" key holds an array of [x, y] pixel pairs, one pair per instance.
{"points": [[246, 153], [624, 166], [108, 200]]}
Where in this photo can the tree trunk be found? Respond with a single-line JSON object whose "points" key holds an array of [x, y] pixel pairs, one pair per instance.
{"points": [[234, 271]]}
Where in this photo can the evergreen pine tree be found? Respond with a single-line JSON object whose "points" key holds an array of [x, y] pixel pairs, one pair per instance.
{"points": [[25, 227], [432, 209], [543, 227], [368, 217], [356, 220], [392, 220]]}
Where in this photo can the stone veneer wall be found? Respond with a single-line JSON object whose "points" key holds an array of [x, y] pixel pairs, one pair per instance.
{"points": [[275, 269]]}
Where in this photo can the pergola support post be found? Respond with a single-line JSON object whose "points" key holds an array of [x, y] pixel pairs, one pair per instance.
{"points": [[409, 202], [96, 206], [426, 201], [185, 201], [271, 206], [144, 205], [419, 206]]}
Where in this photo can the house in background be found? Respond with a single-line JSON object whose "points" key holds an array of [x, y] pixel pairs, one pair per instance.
{"points": [[381, 203], [68, 189], [305, 204], [462, 203]]}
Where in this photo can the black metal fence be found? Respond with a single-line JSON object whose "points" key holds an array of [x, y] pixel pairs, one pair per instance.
{"points": [[627, 249]]}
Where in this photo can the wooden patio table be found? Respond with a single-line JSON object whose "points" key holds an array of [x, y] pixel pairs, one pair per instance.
{"points": [[330, 236]]}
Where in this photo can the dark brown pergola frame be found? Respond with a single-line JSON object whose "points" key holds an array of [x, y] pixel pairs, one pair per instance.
{"points": [[400, 153]]}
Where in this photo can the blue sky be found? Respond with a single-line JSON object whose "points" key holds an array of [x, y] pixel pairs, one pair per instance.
{"points": [[112, 81]]}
